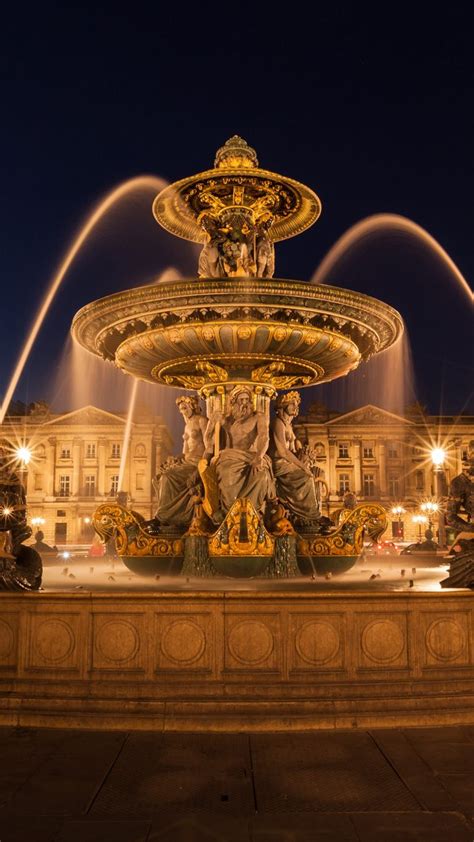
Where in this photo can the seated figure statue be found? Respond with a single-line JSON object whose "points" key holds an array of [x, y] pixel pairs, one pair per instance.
{"points": [[296, 476], [177, 483], [242, 468]]}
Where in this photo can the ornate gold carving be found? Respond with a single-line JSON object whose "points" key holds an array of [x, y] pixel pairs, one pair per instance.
{"points": [[347, 539], [212, 373], [112, 520], [211, 488], [236, 183], [273, 373], [242, 533]]}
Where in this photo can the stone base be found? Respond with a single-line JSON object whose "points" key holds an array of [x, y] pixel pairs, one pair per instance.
{"points": [[236, 661]]}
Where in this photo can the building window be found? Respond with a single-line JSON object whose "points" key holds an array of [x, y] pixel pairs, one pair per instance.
{"points": [[90, 485], [392, 450], [65, 451], [393, 485], [420, 480], [60, 533], [90, 451], [114, 481], [38, 482], [115, 451], [64, 486], [343, 450], [60, 512], [369, 485], [368, 450], [140, 481], [344, 483]]}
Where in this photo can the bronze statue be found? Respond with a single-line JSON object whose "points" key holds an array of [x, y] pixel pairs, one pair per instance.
{"points": [[20, 567], [461, 496], [296, 473], [177, 484], [242, 468]]}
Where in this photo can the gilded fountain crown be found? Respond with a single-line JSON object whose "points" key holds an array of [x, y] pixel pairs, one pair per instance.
{"points": [[239, 210]]}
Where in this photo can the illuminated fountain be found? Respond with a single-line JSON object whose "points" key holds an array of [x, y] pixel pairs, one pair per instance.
{"points": [[244, 498]]}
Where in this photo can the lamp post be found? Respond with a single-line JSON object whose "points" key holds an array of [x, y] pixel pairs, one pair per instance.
{"points": [[399, 511], [429, 508], [419, 519], [438, 458]]}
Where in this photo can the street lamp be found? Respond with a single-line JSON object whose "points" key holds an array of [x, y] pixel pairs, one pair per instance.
{"points": [[438, 458], [399, 511], [23, 455], [429, 507], [38, 521], [419, 519]]}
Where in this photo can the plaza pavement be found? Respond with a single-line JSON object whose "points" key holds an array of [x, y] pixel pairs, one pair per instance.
{"points": [[337, 786]]}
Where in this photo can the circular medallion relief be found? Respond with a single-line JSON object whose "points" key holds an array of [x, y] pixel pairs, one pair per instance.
{"points": [[445, 639], [54, 641], [250, 642], [117, 641], [317, 642], [382, 641], [7, 640], [183, 642]]}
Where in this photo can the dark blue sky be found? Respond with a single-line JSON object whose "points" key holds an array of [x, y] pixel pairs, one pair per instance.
{"points": [[373, 112]]}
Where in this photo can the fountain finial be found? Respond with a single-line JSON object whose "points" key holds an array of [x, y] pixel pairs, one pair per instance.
{"points": [[236, 154]]}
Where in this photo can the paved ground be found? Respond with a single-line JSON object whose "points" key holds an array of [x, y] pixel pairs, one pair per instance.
{"points": [[346, 786]]}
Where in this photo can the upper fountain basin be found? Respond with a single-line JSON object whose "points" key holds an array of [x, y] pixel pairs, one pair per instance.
{"points": [[279, 333]]}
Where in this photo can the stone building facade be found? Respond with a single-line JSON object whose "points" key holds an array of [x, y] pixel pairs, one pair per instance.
{"points": [[380, 456], [384, 457], [76, 461]]}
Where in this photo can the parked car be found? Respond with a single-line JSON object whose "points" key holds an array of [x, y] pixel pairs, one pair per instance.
{"points": [[382, 548]]}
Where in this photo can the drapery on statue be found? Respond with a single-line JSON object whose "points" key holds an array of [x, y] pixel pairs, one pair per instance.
{"points": [[242, 467], [177, 483], [296, 473]]}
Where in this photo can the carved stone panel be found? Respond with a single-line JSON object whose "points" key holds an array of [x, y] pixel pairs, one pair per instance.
{"points": [[8, 640], [445, 639], [317, 642], [253, 642], [184, 642], [118, 642], [55, 642], [382, 641]]}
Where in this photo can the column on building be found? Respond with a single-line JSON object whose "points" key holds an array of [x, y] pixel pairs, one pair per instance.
{"points": [[50, 467], [356, 446], [382, 469], [331, 477], [76, 467], [101, 461]]}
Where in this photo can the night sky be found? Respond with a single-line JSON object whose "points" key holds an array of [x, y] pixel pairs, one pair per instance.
{"points": [[374, 112]]}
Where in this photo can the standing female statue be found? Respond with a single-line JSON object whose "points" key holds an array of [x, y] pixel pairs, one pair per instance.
{"points": [[296, 479], [177, 484]]}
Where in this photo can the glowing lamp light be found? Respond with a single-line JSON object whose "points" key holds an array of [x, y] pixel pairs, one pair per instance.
{"points": [[438, 456], [6, 511], [23, 454], [65, 554], [398, 510], [87, 520]]}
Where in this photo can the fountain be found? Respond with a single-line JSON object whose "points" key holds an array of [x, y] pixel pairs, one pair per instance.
{"points": [[243, 500], [229, 635]]}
